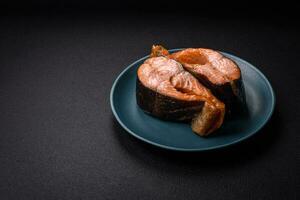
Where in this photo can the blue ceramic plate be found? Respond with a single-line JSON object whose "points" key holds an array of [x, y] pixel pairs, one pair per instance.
{"points": [[179, 136]]}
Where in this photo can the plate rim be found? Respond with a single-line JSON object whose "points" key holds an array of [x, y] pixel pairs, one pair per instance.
{"points": [[192, 149]]}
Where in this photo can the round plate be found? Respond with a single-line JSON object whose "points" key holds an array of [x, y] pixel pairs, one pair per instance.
{"points": [[179, 136]]}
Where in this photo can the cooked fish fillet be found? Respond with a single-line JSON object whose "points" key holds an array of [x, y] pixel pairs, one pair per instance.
{"points": [[167, 91], [217, 72]]}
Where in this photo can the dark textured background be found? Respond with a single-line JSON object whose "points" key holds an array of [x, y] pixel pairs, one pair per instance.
{"points": [[59, 139]]}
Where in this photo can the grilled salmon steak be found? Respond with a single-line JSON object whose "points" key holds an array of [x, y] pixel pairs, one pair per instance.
{"points": [[217, 72], [166, 90]]}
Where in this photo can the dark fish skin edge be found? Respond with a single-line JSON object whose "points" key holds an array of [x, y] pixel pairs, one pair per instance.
{"points": [[231, 93], [165, 107]]}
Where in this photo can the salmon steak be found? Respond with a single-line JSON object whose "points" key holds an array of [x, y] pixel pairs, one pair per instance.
{"points": [[217, 72], [166, 90]]}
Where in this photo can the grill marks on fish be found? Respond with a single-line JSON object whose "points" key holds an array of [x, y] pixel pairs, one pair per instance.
{"points": [[167, 91]]}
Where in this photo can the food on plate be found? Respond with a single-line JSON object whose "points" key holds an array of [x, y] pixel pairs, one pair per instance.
{"points": [[194, 84], [217, 72], [166, 90]]}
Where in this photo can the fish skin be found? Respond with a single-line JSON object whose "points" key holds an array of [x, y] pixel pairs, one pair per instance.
{"points": [[165, 90], [166, 107]]}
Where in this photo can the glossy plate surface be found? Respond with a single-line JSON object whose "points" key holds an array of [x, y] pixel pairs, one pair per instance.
{"points": [[179, 136]]}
